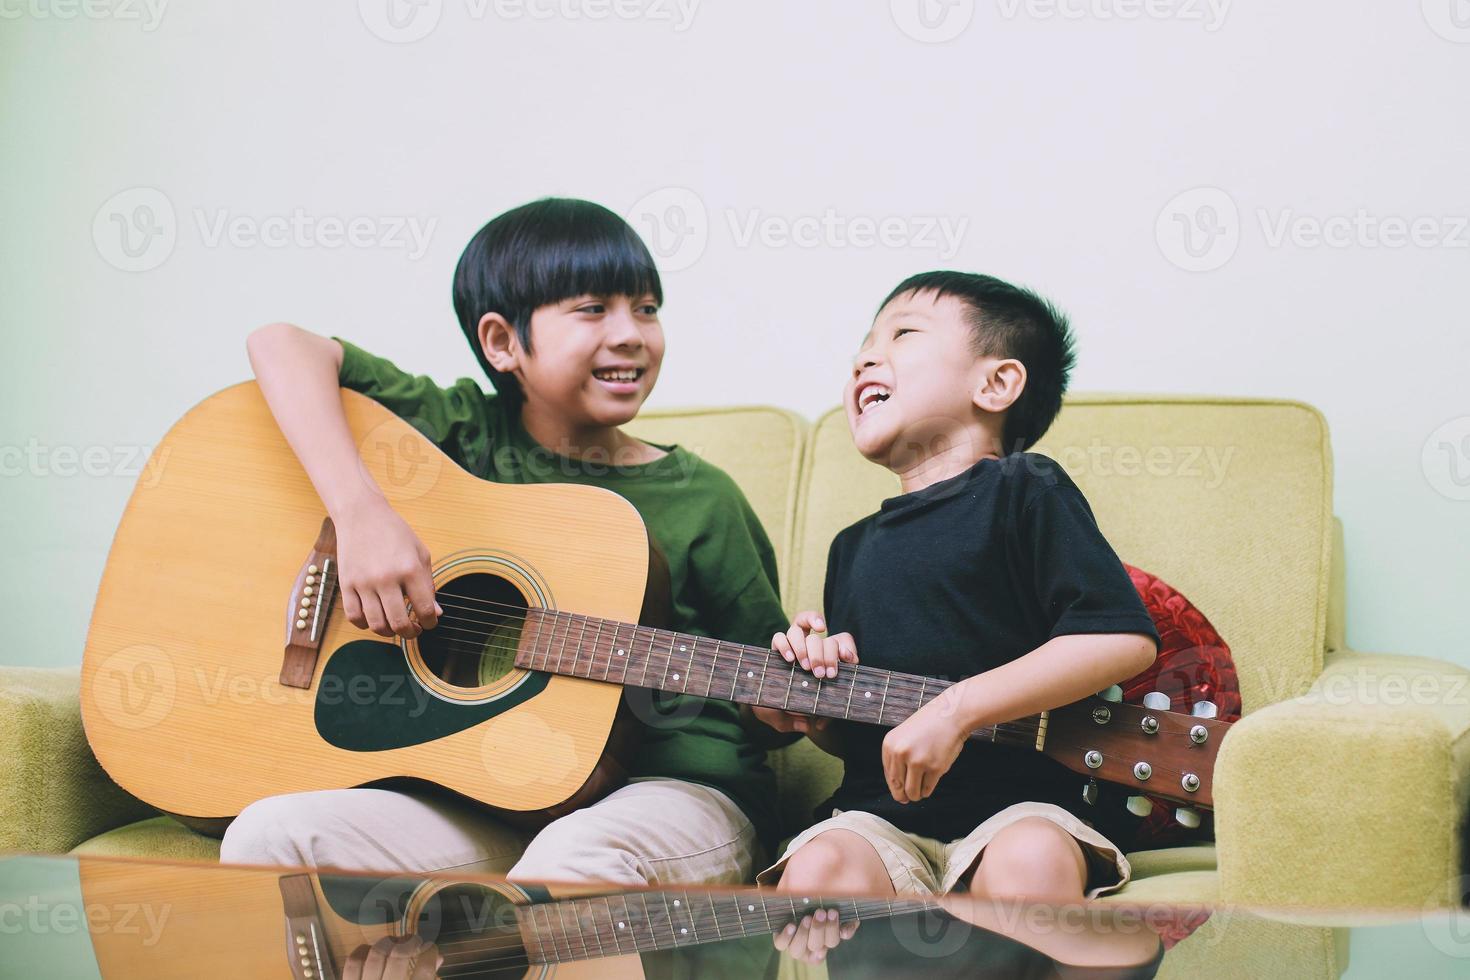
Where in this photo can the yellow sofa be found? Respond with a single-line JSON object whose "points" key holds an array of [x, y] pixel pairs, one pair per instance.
{"points": [[1343, 787]]}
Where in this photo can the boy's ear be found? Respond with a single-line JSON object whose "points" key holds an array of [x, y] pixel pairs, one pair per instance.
{"points": [[1000, 386], [499, 342]]}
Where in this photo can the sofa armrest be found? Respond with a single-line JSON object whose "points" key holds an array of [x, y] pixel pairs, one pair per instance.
{"points": [[53, 794], [1352, 795]]}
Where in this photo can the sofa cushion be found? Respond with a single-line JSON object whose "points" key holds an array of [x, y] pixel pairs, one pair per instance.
{"points": [[161, 838], [761, 450], [53, 793]]}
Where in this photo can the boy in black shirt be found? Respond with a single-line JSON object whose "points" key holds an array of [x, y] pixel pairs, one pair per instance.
{"points": [[990, 570]]}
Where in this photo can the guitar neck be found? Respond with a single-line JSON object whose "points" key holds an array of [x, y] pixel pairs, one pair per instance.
{"points": [[635, 922], [639, 656]]}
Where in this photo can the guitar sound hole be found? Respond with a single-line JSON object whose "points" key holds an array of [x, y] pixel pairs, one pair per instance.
{"points": [[474, 644]]}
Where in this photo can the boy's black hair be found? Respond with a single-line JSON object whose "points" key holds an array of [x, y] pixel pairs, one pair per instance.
{"points": [[545, 252], [1011, 321]]}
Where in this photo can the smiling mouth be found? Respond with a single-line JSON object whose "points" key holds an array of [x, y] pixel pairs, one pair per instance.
{"points": [[872, 395], [618, 375]]}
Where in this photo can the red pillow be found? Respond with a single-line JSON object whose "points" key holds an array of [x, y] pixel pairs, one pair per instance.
{"points": [[1194, 665]]}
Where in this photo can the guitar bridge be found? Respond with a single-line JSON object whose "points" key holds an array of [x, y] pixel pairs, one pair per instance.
{"points": [[310, 604], [1041, 730]]}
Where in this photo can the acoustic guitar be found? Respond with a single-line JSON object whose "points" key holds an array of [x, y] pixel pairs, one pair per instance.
{"points": [[218, 669]]}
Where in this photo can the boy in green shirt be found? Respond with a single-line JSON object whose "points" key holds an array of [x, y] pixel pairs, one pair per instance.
{"points": [[559, 300]]}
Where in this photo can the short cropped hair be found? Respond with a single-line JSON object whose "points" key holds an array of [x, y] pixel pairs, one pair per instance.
{"points": [[541, 253], [1011, 321]]}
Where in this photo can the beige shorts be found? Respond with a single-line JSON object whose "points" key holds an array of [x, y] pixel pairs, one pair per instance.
{"points": [[925, 866]]}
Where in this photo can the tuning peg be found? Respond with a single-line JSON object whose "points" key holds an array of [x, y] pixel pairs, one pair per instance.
{"points": [[1203, 709], [1187, 817], [1114, 693], [1140, 806], [1156, 701]]}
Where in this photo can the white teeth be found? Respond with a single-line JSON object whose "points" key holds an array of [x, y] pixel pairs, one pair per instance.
{"points": [[616, 375], [871, 395]]}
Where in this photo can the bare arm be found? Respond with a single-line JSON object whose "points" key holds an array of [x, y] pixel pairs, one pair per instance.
{"points": [[1062, 670], [382, 561]]}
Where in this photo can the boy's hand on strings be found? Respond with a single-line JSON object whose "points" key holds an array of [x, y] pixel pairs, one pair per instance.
{"points": [[922, 748], [809, 940], [394, 958], [820, 654], [380, 562], [803, 644]]}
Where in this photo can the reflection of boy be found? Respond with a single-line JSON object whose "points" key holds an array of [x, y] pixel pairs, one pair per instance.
{"points": [[573, 277], [988, 570]]}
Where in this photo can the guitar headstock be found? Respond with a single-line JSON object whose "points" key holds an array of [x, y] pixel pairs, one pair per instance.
{"points": [[1146, 747]]}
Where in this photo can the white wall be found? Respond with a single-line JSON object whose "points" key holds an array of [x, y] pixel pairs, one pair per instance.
{"points": [[1060, 137]]}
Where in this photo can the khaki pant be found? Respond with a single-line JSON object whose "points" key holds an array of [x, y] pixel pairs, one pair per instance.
{"points": [[925, 866], [652, 831]]}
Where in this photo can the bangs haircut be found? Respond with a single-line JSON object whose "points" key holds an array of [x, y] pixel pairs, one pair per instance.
{"points": [[1011, 321], [545, 252]]}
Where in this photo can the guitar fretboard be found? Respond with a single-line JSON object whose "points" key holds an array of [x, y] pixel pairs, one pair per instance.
{"points": [[635, 922], [640, 656]]}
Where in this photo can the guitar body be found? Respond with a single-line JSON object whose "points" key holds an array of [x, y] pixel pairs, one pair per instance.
{"points": [[183, 696], [179, 921]]}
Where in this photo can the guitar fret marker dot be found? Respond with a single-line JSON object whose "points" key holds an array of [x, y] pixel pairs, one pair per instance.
{"points": [[867, 694], [750, 908], [803, 683], [676, 677], [682, 931], [622, 926], [620, 653], [750, 673]]}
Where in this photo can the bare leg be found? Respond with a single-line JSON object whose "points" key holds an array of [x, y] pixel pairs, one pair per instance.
{"points": [[833, 862], [1031, 859]]}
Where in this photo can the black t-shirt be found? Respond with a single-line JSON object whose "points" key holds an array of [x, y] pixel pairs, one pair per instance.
{"points": [[954, 580]]}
